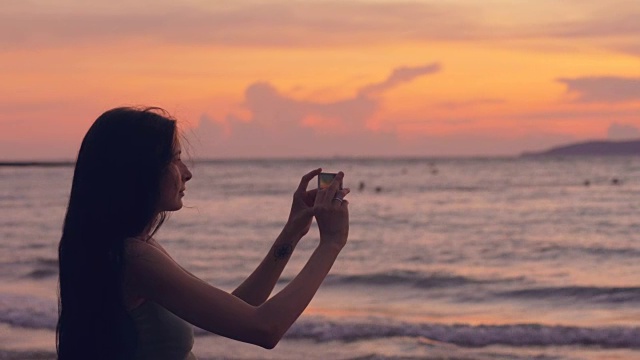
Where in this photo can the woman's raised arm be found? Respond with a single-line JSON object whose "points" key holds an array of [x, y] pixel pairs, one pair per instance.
{"points": [[258, 286], [156, 277]]}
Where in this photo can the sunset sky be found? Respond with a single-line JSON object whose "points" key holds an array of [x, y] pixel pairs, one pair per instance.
{"points": [[323, 78]]}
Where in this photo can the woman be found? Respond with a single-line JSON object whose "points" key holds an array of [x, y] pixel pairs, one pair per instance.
{"points": [[122, 296]]}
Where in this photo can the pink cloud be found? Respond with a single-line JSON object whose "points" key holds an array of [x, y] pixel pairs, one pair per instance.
{"points": [[302, 24], [282, 125], [606, 89], [272, 110], [399, 76]]}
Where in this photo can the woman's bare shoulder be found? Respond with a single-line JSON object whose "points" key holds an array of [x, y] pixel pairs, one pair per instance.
{"points": [[138, 249], [145, 265]]}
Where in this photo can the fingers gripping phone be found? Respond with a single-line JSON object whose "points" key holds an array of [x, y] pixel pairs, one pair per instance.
{"points": [[324, 179]]}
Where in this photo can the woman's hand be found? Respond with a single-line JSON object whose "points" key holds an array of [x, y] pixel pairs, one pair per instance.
{"points": [[301, 213], [332, 213]]}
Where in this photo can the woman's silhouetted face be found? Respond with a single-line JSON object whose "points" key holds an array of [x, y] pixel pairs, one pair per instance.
{"points": [[174, 181]]}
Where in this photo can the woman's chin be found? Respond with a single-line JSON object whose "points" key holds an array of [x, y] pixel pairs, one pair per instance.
{"points": [[177, 207]]}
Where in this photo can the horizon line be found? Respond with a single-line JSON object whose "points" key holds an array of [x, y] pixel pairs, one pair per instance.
{"points": [[68, 163], [55, 163]]}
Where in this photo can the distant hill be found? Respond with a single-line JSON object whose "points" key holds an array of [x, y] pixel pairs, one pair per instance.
{"points": [[592, 148]]}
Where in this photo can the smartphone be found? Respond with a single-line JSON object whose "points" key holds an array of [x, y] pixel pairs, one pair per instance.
{"points": [[324, 179]]}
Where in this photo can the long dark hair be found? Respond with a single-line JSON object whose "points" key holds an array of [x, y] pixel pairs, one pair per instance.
{"points": [[114, 196]]}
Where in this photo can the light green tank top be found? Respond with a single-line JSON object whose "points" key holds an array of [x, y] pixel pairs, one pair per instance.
{"points": [[161, 334]]}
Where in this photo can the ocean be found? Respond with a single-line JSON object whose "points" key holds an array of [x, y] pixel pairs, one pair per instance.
{"points": [[448, 258]]}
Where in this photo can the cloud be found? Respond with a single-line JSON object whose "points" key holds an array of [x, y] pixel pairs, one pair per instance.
{"points": [[601, 23], [604, 89], [273, 111], [622, 132], [399, 76], [248, 140], [278, 124], [281, 23], [239, 23]]}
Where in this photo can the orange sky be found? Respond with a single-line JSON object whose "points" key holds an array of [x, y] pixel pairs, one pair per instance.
{"points": [[295, 78]]}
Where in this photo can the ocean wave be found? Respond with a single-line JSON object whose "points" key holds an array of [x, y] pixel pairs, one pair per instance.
{"points": [[579, 293], [596, 251], [44, 268], [51, 262], [516, 335], [42, 273], [28, 311], [415, 279], [31, 355], [38, 313]]}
